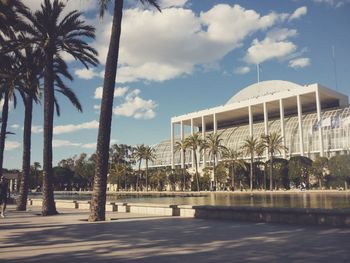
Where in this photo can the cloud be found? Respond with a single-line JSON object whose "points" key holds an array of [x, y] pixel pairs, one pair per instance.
{"points": [[15, 126], [136, 107], [80, 5], [299, 63], [37, 129], [64, 143], [204, 38], [97, 107], [299, 12], [172, 3], [89, 145], [241, 70], [60, 129], [84, 73], [118, 92], [11, 145], [274, 46], [333, 3]]}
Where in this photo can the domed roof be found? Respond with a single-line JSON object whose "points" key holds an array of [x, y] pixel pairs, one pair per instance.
{"points": [[263, 88]]}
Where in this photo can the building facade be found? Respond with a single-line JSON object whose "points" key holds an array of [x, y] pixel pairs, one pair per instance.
{"points": [[312, 119]]}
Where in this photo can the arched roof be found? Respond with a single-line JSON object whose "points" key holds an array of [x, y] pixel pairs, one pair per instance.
{"points": [[262, 89]]}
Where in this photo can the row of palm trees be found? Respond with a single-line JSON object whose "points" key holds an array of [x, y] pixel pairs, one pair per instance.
{"points": [[212, 144], [146, 153], [42, 37]]}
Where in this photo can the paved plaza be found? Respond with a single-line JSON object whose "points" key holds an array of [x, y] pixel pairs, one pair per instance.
{"points": [[127, 237]]}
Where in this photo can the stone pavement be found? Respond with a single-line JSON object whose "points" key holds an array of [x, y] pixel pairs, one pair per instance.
{"points": [[27, 237]]}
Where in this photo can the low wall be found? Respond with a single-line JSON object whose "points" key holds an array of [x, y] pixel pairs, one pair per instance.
{"points": [[304, 216], [154, 209]]}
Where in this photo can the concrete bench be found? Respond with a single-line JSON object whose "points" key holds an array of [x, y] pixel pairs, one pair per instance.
{"points": [[122, 207], [154, 209], [111, 207], [66, 204], [83, 204], [36, 202]]}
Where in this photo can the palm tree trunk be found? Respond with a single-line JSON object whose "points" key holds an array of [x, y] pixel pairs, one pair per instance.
{"points": [[24, 183], [98, 202], [183, 169], [146, 175], [271, 170], [197, 176], [138, 177], [48, 206], [251, 172], [233, 178], [4, 117]]}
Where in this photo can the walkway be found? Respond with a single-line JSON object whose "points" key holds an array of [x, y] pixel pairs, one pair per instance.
{"points": [[26, 237]]}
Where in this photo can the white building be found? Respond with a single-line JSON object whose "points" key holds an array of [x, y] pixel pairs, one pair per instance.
{"points": [[312, 119]]}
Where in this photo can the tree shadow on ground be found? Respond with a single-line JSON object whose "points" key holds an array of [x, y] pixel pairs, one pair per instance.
{"points": [[177, 240]]}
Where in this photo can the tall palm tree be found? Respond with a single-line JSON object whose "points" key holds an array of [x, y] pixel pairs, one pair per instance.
{"points": [[138, 155], [273, 143], [55, 34], [195, 142], [251, 147], [98, 201], [232, 158], [148, 155], [181, 146], [31, 70], [213, 143]]}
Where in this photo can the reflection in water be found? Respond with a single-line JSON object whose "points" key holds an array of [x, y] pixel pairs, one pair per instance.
{"points": [[296, 200]]}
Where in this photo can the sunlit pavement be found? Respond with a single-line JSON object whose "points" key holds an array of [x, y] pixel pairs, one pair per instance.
{"points": [[68, 237]]}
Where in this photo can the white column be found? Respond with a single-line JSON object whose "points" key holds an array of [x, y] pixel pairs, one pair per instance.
{"points": [[283, 134], [300, 124], [203, 137], [215, 124], [250, 120], [172, 145], [181, 138], [192, 132], [266, 124], [319, 119], [266, 118]]}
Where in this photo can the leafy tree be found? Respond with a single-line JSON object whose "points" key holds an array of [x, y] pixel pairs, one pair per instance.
{"points": [[280, 171], [181, 146], [99, 194], [138, 155], [55, 34], [149, 155], [299, 169], [273, 143], [232, 159], [339, 167], [319, 169]]}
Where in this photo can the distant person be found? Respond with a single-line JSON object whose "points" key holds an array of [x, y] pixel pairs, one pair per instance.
{"points": [[4, 194]]}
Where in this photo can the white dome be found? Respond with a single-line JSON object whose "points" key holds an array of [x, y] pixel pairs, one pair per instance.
{"points": [[263, 88]]}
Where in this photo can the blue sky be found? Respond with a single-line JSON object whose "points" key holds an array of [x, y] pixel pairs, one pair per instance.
{"points": [[196, 54]]}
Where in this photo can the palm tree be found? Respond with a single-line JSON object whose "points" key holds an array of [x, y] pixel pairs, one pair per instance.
{"points": [[98, 201], [31, 70], [251, 147], [148, 155], [214, 145], [54, 35], [181, 146], [138, 156], [273, 143], [232, 158], [195, 142]]}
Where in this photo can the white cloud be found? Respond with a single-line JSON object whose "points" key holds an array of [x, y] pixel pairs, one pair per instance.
{"points": [[172, 3], [299, 12], [136, 107], [89, 145], [84, 73], [37, 129], [299, 63], [97, 107], [64, 143], [15, 126], [241, 70], [333, 3], [204, 39], [274, 46], [11, 145], [80, 5], [75, 127], [118, 92]]}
